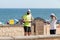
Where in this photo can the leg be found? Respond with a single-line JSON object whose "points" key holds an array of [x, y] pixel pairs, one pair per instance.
{"points": [[54, 31], [25, 31], [29, 31]]}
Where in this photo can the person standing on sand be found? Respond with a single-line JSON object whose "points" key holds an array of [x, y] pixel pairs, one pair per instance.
{"points": [[27, 19], [53, 24]]}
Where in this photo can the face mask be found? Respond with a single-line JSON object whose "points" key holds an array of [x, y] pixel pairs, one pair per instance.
{"points": [[28, 13]]}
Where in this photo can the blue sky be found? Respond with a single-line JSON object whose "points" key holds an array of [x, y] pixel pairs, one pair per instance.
{"points": [[29, 3]]}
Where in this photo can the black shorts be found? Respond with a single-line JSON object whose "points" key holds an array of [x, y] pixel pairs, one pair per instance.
{"points": [[27, 29], [53, 31]]}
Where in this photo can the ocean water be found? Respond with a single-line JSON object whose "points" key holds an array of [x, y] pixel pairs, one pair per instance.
{"points": [[7, 14]]}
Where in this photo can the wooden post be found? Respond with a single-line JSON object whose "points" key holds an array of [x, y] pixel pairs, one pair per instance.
{"points": [[39, 27]]}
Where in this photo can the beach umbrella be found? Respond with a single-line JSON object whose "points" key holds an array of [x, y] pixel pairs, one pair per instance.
{"points": [[16, 20], [0, 22]]}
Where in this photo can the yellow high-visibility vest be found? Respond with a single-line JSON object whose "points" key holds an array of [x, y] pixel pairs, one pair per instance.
{"points": [[26, 19]]}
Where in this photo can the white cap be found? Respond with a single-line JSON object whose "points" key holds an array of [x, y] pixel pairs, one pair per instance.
{"points": [[29, 10], [53, 14]]}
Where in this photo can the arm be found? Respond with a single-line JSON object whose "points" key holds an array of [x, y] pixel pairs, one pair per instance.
{"points": [[32, 18], [23, 19]]}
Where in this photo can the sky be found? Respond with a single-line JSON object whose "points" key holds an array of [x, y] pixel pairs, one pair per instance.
{"points": [[29, 3]]}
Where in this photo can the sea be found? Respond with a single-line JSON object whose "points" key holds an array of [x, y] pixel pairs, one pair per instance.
{"points": [[16, 13]]}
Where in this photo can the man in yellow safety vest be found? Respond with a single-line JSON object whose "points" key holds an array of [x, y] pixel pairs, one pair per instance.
{"points": [[27, 19]]}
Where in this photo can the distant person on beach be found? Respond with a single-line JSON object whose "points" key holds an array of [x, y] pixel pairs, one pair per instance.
{"points": [[53, 24], [27, 19], [7, 22]]}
